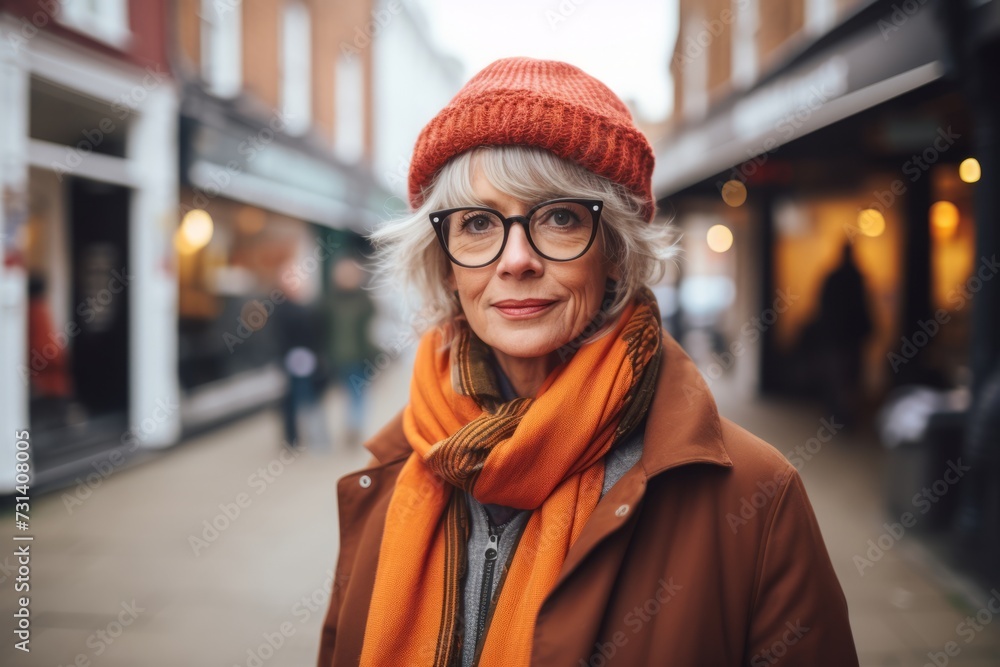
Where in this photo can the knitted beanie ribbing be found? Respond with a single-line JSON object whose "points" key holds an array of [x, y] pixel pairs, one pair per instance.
{"points": [[541, 103]]}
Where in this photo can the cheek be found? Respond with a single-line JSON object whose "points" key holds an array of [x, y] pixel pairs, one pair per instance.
{"points": [[469, 283]]}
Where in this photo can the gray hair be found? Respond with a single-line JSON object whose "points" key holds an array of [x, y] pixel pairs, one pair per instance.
{"points": [[408, 256]]}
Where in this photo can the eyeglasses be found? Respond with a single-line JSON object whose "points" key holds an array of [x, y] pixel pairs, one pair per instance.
{"points": [[559, 230]]}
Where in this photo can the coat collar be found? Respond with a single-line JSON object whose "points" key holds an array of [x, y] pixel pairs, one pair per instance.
{"points": [[682, 425]]}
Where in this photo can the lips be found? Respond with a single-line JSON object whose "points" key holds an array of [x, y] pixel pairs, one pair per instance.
{"points": [[522, 307]]}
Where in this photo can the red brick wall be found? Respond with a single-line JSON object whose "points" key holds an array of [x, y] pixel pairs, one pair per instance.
{"points": [[147, 21]]}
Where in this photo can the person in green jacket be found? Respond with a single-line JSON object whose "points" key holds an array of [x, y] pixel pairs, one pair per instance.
{"points": [[349, 313]]}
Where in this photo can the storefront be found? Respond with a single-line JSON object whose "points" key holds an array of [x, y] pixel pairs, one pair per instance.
{"points": [[854, 184], [90, 189], [258, 207]]}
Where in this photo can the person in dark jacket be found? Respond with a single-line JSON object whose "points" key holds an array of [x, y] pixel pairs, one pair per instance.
{"points": [[843, 324], [299, 333], [560, 489]]}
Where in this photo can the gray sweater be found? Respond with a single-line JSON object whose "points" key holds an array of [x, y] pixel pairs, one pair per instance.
{"points": [[616, 464]]}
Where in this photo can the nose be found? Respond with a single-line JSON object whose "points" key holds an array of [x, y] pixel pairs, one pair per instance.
{"points": [[519, 259]]}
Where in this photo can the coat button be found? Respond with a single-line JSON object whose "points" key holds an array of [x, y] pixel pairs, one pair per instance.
{"points": [[622, 510], [365, 481]]}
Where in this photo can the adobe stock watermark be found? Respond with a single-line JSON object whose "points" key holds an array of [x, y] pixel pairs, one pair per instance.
{"points": [[787, 127], [404, 340], [901, 13], [912, 344], [364, 35], [696, 44], [924, 501], [561, 13], [399, 175], [101, 640], [303, 609], [123, 107], [768, 489], [116, 458], [230, 512], [968, 628], [256, 313], [914, 169], [28, 27], [251, 146], [750, 332], [793, 634], [87, 311], [635, 620]]}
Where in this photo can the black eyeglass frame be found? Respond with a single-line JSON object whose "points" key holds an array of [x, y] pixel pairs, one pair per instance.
{"points": [[594, 206]]}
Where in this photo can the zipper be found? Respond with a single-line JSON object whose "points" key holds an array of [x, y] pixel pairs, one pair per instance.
{"points": [[486, 590], [486, 586]]}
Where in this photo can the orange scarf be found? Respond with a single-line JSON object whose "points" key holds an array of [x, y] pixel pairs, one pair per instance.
{"points": [[544, 454]]}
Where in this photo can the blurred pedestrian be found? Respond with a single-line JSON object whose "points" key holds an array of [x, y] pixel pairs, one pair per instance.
{"points": [[299, 334], [560, 489], [48, 359], [349, 313], [843, 324]]}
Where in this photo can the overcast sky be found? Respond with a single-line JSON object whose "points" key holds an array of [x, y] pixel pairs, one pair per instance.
{"points": [[624, 43]]}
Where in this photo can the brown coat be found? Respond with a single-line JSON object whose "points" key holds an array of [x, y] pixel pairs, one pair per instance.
{"points": [[706, 552]]}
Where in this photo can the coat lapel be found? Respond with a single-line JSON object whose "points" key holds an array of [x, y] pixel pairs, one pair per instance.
{"points": [[682, 428]]}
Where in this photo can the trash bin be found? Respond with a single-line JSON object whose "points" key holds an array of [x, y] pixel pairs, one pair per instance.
{"points": [[922, 430]]}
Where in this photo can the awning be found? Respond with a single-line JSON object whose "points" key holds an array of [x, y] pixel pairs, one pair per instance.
{"points": [[227, 156], [876, 56]]}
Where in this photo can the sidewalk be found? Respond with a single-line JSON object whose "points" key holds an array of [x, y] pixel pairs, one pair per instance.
{"points": [[904, 605], [217, 553], [136, 576]]}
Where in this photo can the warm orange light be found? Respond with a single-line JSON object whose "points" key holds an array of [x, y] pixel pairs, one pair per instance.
{"points": [[734, 193], [944, 219], [720, 238], [871, 222], [250, 220], [194, 233], [970, 171]]}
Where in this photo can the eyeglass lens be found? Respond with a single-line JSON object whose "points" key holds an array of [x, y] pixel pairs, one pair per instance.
{"points": [[560, 231]]}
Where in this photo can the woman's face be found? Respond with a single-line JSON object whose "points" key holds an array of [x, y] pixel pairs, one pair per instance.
{"points": [[525, 306]]}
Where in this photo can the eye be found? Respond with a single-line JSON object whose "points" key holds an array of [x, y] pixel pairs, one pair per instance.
{"points": [[561, 217], [477, 222]]}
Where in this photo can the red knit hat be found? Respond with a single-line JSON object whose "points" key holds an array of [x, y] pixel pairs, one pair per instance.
{"points": [[542, 103]]}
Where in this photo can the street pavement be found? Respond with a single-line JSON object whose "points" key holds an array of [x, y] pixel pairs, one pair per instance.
{"points": [[219, 552]]}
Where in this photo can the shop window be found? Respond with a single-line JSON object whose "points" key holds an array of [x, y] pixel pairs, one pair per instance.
{"points": [[61, 116], [296, 61], [106, 20], [745, 29], [349, 122], [222, 46]]}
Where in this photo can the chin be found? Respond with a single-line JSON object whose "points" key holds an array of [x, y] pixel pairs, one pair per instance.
{"points": [[523, 344]]}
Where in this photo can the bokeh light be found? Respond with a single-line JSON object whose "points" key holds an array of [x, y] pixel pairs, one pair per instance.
{"points": [[734, 193], [970, 171], [720, 238], [195, 232], [944, 219], [871, 222]]}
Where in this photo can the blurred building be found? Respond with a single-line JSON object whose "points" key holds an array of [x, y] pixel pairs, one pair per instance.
{"points": [[802, 127], [277, 141], [170, 170], [88, 170], [413, 80]]}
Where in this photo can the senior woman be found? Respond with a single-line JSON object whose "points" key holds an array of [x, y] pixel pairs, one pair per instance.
{"points": [[560, 489]]}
